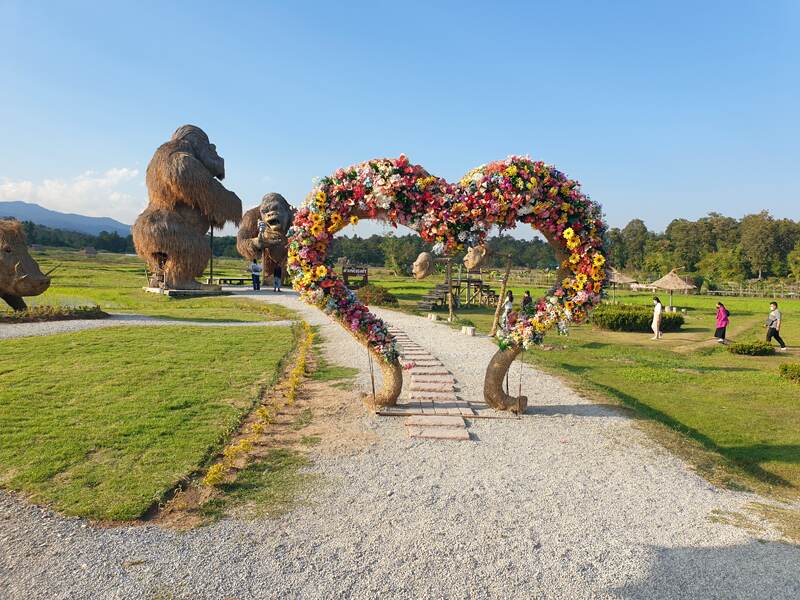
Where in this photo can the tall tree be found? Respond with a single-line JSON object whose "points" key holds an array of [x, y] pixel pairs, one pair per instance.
{"points": [[616, 248], [635, 236], [758, 241]]}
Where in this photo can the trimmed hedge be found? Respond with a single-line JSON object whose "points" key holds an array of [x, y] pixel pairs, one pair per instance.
{"points": [[43, 312], [757, 348], [790, 371], [629, 317], [375, 295]]}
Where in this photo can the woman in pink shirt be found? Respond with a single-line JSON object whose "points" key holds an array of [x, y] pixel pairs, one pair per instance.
{"points": [[722, 322]]}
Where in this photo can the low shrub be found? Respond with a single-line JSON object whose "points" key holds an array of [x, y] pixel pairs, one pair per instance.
{"points": [[465, 323], [52, 313], [755, 348], [628, 317], [375, 295], [790, 371]]}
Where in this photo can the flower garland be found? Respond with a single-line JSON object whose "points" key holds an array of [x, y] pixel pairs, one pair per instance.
{"points": [[450, 216]]}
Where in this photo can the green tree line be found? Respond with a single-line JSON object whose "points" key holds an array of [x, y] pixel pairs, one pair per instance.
{"points": [[716, 247]]}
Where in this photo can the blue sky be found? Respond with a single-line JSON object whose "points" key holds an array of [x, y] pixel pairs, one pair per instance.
{"points": [[661, 110]]}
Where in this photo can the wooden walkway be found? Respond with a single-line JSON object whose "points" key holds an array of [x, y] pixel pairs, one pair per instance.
{"points": [[432, 408]]}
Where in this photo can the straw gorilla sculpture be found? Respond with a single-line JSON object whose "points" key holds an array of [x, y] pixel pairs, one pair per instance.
{"points": [[269, 245], [186, 198]]}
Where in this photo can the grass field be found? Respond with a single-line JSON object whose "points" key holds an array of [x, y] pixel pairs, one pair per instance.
{"points": [[114, 282], [736, 406], [102, 423]]}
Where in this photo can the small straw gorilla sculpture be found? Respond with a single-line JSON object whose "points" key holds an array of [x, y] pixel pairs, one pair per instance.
{"points": [[268, 243], [186, 198]]}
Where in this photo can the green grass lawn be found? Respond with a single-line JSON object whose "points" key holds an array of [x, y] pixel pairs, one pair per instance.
{"points": [[114, 282], [102, 423], [735, 406]]}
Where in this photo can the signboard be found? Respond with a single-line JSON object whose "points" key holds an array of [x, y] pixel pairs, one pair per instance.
{"points": [[355, 277]]}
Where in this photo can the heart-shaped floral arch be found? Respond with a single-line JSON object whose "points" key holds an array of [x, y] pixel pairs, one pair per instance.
{"points": [[450, 216]]}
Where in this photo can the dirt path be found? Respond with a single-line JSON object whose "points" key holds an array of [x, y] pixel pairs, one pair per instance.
{"points": [[571, 501]]}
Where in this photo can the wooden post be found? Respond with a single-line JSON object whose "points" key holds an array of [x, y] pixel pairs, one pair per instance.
{"points": [[211, 276], [449, 291], [501, 299]]}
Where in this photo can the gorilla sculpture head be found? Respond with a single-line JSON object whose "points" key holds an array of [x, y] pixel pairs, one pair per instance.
{"points": [[276, 213], [423, 266], [475, 257], [202, 148]]}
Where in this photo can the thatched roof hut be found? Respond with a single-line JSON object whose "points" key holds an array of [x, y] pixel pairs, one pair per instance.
{"points": [[616, 278], [672, 283], [619, 278]]}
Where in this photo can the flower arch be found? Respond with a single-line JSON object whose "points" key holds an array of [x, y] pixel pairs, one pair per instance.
{"points": [[451, 216]]}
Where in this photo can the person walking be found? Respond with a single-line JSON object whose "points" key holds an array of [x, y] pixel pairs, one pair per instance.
{"points": [[526, 300], [277, 278], [723, 318], [774, 320], [255, 273], [658, 311]]}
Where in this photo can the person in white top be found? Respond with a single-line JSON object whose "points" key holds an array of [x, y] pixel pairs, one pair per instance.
{"points": [[658, 310], [508, 306], [255, 273]]}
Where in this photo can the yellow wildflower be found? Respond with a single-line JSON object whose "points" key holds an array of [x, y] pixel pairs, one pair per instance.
{"points": [[569, 233], [510, 171], [354, 220], [573, 243], [321, 271]]}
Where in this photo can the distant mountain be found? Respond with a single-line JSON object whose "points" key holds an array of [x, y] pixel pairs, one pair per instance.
{"points": [[25, 211]]}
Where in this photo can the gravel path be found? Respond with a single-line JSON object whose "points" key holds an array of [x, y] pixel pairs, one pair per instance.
{"points": [[571, 502], [17, 330]]}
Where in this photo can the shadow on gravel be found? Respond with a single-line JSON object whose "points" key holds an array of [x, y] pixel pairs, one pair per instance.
{"points": [[756, 570], [578, 410]]}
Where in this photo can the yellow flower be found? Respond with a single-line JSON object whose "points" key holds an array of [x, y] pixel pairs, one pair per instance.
{"points": [[354, 220], [575, 258], [321, 271], [599, 260], [316, 218], [321, 197], [569, 233], [581, 278], [510, 171], [573, 243], [316, 229]]}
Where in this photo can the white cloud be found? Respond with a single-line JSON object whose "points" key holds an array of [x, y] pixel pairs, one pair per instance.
{"points": [[106, 194]]}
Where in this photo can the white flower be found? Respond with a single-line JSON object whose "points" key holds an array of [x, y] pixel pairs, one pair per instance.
{"points": [[462, 236], [438, 248], [525, 210], [382, 201]]}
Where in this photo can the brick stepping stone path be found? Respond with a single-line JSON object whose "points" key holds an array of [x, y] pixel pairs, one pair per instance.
{"points": [[433, 409]]}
